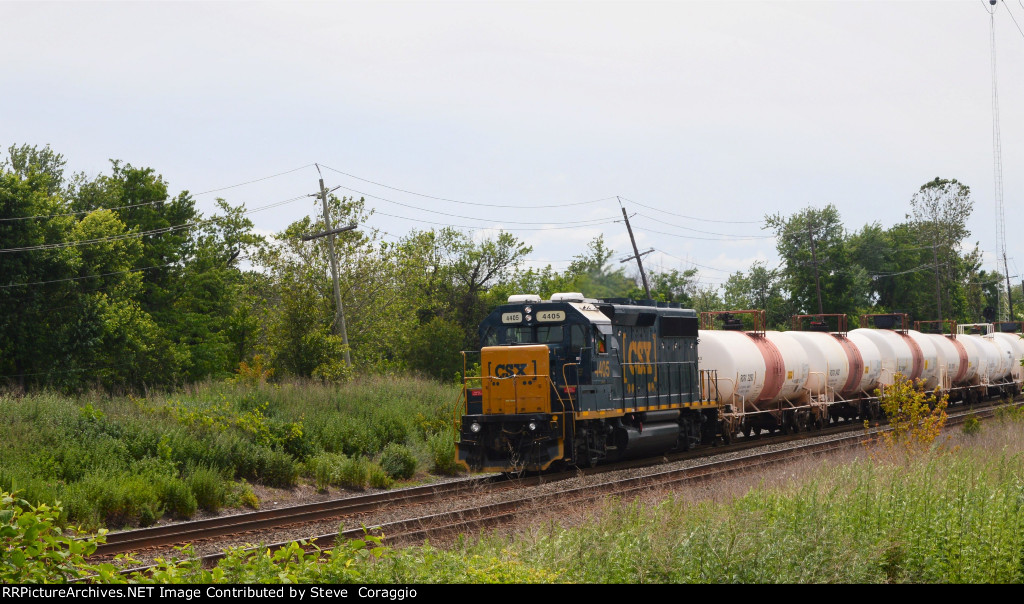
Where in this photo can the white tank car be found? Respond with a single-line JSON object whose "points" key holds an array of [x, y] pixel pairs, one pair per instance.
{"points": [[971, 353], [900, 354], [980, 355], [737, 361], [827, 361], [1016, 344], [755, 369], [794, 358], [930, 370], [871, 358], [951, 359], [1004, 352]]}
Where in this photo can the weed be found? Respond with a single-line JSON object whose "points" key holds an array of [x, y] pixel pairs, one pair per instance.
{"points": [[442, 452], [353, 472], [398, 461], [208, 486], [971, 425], [379, 478]]}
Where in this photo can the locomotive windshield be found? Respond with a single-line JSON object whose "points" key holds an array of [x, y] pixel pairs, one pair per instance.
{"points": [[551, 335]]}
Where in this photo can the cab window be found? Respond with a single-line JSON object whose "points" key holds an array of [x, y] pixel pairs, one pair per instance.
{"points": [[549, 334], [577, 339], [599, 342]]}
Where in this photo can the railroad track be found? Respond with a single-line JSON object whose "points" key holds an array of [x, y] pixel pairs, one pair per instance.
{"points": [[474, 518]]}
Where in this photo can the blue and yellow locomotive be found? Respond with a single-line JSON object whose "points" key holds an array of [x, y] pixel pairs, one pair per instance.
{"points": [[572, 381]]}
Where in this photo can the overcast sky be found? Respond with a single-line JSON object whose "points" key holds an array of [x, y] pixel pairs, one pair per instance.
{"points": [[709, 114]]}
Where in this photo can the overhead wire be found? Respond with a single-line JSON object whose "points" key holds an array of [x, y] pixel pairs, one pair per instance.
{"points": [[405, 205], [149, 203], [1009, 12], [479, 227], [692, 217], [133, 270], [139, 234], [704, 232], [471, 203]]}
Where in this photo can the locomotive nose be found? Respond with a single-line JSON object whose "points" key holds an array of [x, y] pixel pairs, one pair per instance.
{"points": [[516, 379]]}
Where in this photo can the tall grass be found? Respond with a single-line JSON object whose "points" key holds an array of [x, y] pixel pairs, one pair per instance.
{"points": [[953, 514], [203, 439]]}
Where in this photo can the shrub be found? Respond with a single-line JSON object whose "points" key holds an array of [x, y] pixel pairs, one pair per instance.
{"points": [[442, 453], [354, 472], [208, 487], [241, 494], [278, 469], [178, 499], [398, 461], [379, 478], [971, 425], [915, 418], [324, 469], [32, 547]]}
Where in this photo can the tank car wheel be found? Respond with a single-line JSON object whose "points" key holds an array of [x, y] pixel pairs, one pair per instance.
{"points": [[747, 430]]}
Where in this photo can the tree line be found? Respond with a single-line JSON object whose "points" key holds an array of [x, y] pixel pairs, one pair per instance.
{"points": [[115, 282]]}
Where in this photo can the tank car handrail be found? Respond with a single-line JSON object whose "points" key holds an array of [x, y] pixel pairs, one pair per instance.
{"points": [[902, 316], [952, 326], [707, 319], [842, 322]]}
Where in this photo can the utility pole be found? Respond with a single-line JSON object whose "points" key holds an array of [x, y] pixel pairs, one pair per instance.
{"points": [[636, 252], [814, 261], [938, 290], [1009, 290], [339, 316]]}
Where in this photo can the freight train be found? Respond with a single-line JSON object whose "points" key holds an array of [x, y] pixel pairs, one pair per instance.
{"points": [[572, 381]]}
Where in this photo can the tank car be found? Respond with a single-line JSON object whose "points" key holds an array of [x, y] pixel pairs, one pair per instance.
{"points": [[577, 381]]}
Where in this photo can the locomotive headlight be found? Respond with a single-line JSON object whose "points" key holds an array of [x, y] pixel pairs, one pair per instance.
{"points": [[474, 427], [532, 426]]}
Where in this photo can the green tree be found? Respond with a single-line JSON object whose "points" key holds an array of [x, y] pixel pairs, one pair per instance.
{"points": [[938, 213], [812, 245], [759, 288]]}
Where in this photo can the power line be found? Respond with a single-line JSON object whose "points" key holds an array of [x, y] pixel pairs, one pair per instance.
{"points": [[703, 232], [478, 227], [133, 270], [160, 231], [918, 269], [1009, 12], [412, 207], [693, 217], [149, 203], [646, 230], [471, 203]]}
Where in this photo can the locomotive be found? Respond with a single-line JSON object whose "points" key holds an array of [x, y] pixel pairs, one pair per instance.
{"points": [[577, 381]]}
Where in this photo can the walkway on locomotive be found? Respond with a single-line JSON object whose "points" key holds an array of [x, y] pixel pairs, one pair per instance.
{"points": [[604, 360]]}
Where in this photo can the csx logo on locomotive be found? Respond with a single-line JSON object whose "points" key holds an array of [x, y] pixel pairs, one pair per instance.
{"points": [[508, 370], [640, 358]]}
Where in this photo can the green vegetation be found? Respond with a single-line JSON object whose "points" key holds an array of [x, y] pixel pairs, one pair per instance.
{"points": [[128, 461], [953, 514]]}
